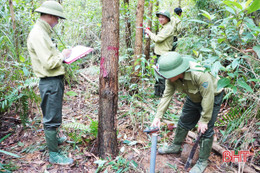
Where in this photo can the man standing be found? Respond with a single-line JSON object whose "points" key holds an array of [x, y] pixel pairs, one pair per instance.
{"points": [[47, 65], [201, 107], [163, 43], [176, 23]]}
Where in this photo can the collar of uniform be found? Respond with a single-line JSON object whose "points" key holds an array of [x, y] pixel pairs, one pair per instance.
{"points": [[187, 75], [166, 24], [45, 26]]}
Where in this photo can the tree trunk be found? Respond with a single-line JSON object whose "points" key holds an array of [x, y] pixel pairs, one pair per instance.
{"points": [[108, 79], [148, 40], [179, 3], [15, 37], [157, 23], [138, 39], [127, 25]]}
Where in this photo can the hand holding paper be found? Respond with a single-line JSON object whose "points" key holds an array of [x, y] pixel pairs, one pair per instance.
{"points": [[66, 53], [78, 52]]}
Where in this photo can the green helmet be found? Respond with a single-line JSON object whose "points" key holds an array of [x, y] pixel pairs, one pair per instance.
{"points": [[172, 64], [164, 13], [52, 8]]}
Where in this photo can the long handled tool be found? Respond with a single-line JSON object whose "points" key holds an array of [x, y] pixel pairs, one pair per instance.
{"points": [[193, 150], [152, 130], [153, 153]]}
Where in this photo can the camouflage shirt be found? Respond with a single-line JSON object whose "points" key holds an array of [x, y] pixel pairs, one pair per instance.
{"points": [[200, 87], [46, 59], [163, 40], [176, 24]]}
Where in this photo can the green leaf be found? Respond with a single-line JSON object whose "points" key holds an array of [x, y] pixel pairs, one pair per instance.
{"points": [[248, 2], [231, 10], [234, 89], [21, 58], [215, 68], [198, 21], [257, 50], [223, 82], [205, 49], [10, 154], [254, 80], [243, 84], [126, 142], [207, 15], [220, 40], [100, 162], [195, 52], [71, 93], [6, 136], [25, 71], [253, 7], [20, 144], [233, 3], [134, 164], [137, 67], [235, 63]]}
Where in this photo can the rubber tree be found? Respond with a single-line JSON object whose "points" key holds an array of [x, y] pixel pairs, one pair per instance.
{"points": [[148, 40], [127, 25], [108, 80], [138, 51], [15, 36]]}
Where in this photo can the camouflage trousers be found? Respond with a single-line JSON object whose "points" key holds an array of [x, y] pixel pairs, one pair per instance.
{"points": [[159, 85], [51, 90]]}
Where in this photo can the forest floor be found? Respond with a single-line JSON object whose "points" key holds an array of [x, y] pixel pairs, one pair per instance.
{"points": [[30, 144]]}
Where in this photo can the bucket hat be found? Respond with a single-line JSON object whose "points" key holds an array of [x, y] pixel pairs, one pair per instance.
{"points": [[164, 13], [172, 64], [51, 7]]}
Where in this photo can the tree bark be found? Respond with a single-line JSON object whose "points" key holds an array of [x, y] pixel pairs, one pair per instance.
{"points": [[179, 3], [108, 79], [16, 43], [148, 40], [138, 39], [127, 25], [157, 23]]}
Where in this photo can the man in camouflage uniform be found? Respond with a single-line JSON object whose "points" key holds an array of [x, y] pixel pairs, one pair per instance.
{"points": [[47, 65], [202, 104], [163, 43], [176, 24]]}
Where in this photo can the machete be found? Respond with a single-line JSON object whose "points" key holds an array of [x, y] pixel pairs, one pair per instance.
{"points": [[187, 165]]}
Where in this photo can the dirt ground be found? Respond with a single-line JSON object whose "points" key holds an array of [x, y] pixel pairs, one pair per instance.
{"points": [[29, 143]]}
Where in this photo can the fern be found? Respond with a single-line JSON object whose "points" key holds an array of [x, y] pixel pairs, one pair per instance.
{"points": [[92, 129], [77, 126]]}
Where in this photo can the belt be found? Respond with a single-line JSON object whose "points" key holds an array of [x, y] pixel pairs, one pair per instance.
{"points": [[53, 77]]}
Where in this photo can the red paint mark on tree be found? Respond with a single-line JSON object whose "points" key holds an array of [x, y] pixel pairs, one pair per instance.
{"points": [[113, 48], [102, 67], [141, 24]]}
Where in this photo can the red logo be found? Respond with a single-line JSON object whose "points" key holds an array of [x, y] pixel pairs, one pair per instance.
{"points": [[230, 156]]}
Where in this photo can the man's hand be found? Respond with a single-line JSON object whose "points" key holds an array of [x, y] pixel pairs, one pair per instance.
{"points": [[66, 53], [156, 122], [202, 127], [147, 31]]}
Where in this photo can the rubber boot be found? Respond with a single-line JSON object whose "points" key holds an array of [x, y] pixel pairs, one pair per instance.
{"points": [[205, 149], [175, 147], [52, 144], [157, 89], [61, 140]]}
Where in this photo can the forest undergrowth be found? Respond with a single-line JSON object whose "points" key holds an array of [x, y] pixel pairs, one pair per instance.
{"points": [[222, 35]]}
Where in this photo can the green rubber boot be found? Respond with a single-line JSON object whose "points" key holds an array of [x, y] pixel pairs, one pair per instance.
{"points": [[175, 147], [61, 140], [205, 149], [52, 143]]}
